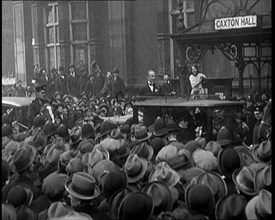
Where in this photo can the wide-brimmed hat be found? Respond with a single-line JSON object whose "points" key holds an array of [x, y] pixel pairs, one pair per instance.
{"points": [[101, 167], [157, 144], [115, 201], [244, 179], [82, 186], [141, 134], [39, 139], [39, 121], [75, 165], [136, 206], [224, 137], [204, 159], [116, 134], [135, 168], [215, 183], [228, 162], [49, 129], [54, 184], [263, 178], [245, 155], [199, 199], [123, 151], [143, 150], [214, 147], [111, 144], [9, 149], [161, 195], [192, 146], [112, 181], [85, 145], [181, 161], [19, 195], [186, 176], [96, 156], [166, 153], [159, 127], [87, 131], [23, 157], [262, 152], [260, 206], [231, 207], [58, 210], [106, 127], [164, 173]]}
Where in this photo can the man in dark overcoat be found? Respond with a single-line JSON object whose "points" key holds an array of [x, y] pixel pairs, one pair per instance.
{"points": [[37, 103]]}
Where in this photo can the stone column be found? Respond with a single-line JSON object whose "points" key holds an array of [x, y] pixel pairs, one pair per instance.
{"points": [[23, 53]]}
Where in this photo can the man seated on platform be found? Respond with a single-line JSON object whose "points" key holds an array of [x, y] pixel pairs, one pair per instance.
{"points": [[167, 87]]}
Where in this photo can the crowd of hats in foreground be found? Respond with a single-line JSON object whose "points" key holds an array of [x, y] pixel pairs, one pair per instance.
{"points": [[132, 172]]}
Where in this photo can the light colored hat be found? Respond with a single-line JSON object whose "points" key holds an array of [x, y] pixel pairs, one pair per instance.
{"points": [[204, 159], [111, 144], [82, 186], [214, 147], [259, 205], [215, 183], [143, 150], [166, 153], [262, 152], [135, 167], [54, 184], [165, 174], [96, 156], [58, 209], [23, 157], [75, 165], [141, 134]]}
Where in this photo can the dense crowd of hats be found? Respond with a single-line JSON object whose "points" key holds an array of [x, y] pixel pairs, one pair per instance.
{"points": [[103, 170]]}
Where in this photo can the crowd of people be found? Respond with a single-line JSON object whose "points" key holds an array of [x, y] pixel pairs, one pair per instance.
{"points": [[72, 164]]}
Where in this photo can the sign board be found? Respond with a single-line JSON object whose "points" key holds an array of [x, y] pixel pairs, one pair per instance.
{"points": [[236, 22]]}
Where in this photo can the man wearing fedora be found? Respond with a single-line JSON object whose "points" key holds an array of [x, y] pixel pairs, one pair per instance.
{"points": [[118, 88], [83, 191], [37, 103], [22, 164]]}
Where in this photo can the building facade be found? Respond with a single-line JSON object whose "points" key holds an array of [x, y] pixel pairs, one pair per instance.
{"points": [[135, 36]]}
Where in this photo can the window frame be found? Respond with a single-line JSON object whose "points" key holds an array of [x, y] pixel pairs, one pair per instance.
{"points": [[47, 25], [74, 42]]}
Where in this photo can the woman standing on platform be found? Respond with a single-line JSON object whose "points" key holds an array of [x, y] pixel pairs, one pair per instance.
{"points": [[196, 80]]}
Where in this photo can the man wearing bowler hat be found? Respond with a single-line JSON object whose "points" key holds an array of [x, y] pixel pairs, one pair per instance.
{"points": [[37, 103]]}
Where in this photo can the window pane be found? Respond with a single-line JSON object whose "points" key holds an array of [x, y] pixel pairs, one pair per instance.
{"points": [[190, 19], [49, 14], [50, 35], [56, 13], [80, 52], [78, 10], [190, 4], [51, 56], [57, 34], [79, 31]]}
